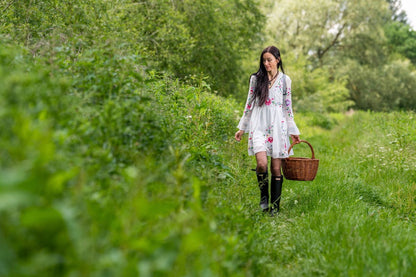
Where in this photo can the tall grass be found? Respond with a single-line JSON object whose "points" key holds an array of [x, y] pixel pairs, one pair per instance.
{"points": [[357, 218]]}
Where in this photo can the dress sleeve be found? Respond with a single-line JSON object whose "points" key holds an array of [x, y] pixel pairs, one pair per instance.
{"points": [[287, 108], [245, 119]]}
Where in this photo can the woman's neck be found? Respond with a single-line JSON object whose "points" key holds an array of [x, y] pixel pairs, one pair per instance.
{"points": [[272, 74]]}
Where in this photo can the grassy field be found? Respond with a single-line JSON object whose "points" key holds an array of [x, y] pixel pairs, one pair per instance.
{"points": [[357, 218]]}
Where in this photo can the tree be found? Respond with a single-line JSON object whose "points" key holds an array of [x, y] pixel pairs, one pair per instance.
{"points": [[191, 40], [357, 42], [203, 38], [397, 13], [400, 35], [323, 29]]}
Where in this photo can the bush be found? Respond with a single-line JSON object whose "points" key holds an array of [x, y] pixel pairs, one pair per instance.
{"points": [[393, 92], [98, 176]]}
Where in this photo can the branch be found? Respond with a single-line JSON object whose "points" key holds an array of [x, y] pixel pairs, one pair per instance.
{"points": [[321, 53]]}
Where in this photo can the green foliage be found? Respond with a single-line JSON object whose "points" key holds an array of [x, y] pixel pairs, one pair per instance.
{"points": [[348, 44], [148, 183], [401, 39], [34, 108], [186, 38], [152, 150], [313, 90], [322, 29], [43, 25], [208, 38], [394, 91], [110, 167]]}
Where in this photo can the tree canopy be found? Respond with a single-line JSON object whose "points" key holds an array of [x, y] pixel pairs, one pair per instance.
{"points": [[364, 46]]}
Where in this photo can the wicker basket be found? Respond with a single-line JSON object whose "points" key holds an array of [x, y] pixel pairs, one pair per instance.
{"points": [[300, 169]]}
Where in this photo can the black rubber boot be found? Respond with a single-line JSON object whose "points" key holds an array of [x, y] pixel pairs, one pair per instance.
{"points": [[263, 180], [276, 193]]}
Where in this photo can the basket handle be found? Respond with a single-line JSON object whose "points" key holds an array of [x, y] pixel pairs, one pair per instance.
{"points": [[291, 146]]}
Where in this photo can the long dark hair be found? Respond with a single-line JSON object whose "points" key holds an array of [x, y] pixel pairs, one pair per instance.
{"points": [[261, 92]]}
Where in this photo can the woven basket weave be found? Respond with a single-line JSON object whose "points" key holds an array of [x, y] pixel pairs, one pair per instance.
{"points": [[300, 169]]}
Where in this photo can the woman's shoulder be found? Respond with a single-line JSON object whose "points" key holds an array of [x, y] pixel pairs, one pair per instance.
{"points": [[287, 78], [253, 78]]}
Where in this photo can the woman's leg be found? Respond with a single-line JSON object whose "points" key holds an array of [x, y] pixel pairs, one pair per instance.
{"points": [[275, 167], [263, 180], [261, 158], [276, 184]]}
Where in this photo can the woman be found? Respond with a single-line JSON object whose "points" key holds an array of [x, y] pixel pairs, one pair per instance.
{"points": [[268, 118]]}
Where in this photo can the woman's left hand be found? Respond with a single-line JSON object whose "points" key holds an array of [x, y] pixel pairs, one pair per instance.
{"points": [[295, 139]]}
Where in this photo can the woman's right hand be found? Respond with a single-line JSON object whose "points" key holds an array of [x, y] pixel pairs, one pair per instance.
{"points": [[238, 135]]}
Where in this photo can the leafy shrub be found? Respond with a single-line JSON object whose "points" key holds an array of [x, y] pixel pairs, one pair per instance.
{"points": [[34, 110], [394, 92], [315, 90], [85, 172], [204, 38]]}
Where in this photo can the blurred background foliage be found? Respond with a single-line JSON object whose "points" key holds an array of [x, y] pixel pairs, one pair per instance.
{"points": [[345, 44], [364, 47], [115, 116]]}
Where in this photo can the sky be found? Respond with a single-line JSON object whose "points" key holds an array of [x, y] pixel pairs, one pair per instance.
{"points": [[409, 6]]}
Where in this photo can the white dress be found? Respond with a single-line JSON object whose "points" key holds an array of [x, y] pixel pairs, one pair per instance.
{"points": [[270, 125]]}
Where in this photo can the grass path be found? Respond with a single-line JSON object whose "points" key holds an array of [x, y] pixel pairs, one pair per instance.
{"points": [[357, 218]]}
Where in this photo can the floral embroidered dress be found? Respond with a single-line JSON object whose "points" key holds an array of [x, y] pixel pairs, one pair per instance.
{"points": [[270, 125]]}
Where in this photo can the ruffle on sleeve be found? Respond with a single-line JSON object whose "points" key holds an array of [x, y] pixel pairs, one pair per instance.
{"points": [[244, 123]]}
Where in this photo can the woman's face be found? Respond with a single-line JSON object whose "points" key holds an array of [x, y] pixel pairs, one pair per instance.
{"points": [[270, 62]]}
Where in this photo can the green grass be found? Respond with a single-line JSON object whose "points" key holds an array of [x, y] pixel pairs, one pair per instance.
{"points": [[357, 218]]}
